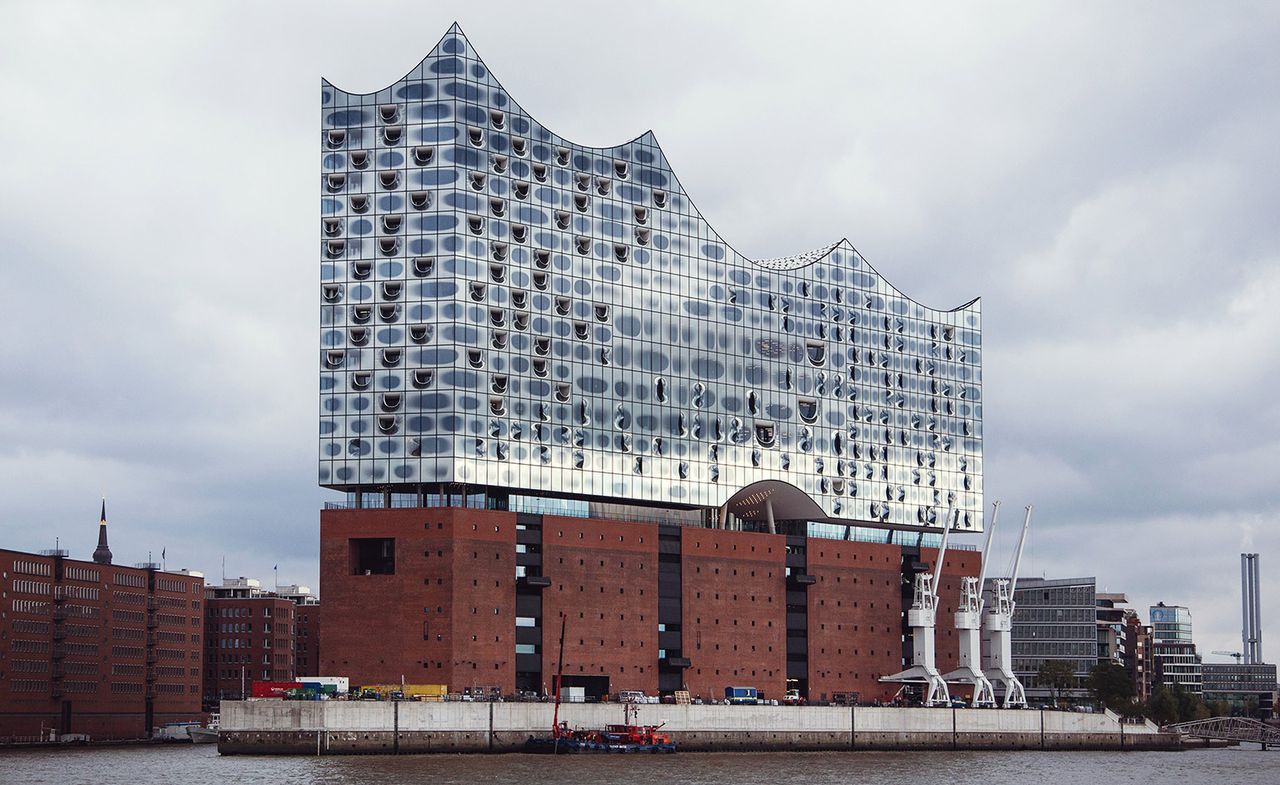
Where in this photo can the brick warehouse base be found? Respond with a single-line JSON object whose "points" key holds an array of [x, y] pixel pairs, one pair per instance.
{"points": [[472, 598]]}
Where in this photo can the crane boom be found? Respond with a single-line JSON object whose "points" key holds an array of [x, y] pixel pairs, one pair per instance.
{"points": [[986, 547], [1022, 541], [942, 550]]}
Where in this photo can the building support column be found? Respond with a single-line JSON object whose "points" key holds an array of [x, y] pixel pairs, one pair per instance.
{"points": [[768, 511]]}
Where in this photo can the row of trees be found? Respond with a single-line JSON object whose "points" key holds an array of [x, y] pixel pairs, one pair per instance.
{"points": [[1111, 686]]}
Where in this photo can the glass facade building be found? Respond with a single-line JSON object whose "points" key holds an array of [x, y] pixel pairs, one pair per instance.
{"points": [[1055, 620], [504, 309], [1173, 648]]}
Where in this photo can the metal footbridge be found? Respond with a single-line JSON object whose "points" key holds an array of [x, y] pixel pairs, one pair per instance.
{"points": [[1229, 729]]}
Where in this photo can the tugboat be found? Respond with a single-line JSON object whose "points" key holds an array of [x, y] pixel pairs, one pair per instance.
{"points": [[626, 737]]}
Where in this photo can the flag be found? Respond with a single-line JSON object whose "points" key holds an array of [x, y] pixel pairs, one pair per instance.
{"points": [[162, 550]]}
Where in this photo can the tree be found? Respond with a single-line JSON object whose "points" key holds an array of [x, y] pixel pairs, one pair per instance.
{"points": [[1190, 705], [1057, 675], [1111, 685], [1162, 708]]}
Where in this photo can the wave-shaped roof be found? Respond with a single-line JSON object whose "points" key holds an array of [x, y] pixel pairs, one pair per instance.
{"points": [[444, 56]]}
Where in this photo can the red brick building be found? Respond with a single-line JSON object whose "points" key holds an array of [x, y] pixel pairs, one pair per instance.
{"points": [[96, 648], [472, 598], [306, 627], [249, 636]]}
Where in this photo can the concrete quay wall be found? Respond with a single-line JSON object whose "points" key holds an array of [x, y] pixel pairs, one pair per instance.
{"points": [[371, 727]]}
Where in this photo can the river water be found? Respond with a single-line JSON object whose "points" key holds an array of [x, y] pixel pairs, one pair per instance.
{"points": [[197, 765]]}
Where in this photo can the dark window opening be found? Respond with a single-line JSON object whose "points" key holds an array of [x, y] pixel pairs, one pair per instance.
{"points": [[373, 556]]}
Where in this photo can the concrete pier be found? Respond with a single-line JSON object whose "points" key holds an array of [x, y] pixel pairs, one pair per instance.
{"points": [[373, 727]]}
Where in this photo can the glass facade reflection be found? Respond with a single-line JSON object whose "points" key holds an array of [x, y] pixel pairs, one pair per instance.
{"points": [[502, 307]]}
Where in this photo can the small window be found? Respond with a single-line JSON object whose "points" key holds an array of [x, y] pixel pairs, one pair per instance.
{"points": [[389, 113], [497, 317], [539, 172], [583, 245], [563, 392], [423, 155], [642, 236], [621, 252], [388, 246], [391, 401], [519, 298], [542, 259], [808, 408], [478, 180], [602, 313], [499, 252], [520, 189], [335, 357], [476, 137], [392, 223], [391, 357], [389, 179], [498, 384], [581, 202], [620, 169], [336, 137], [332, 227], [499, 339], [359, 203], [816, 352], [360, 380], [392, 134], [422, 378], [420, 333], [659, 198], [358, 336], [332, 293], [360, 314], [540, 368], [540, 281], [497, 407], [542, 345], [581, 330], [335, 249], [499, 163], [562, 156], [519, 233], [519, 147], [642, 215], [475, 358], [361, 269], [564, 306], [360, 159], [563, 219], [336, 182], [420, 200], [497, 119], [475, 224], [498, 207], [423, 265], [660, 389], [766, 435], [521, 321]]}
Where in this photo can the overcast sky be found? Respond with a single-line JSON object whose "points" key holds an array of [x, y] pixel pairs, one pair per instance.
{"points": [[1105, 176]]}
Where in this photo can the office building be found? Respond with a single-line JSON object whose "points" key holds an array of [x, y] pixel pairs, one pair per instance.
{"points": [[1139, 660], [95, 648], [249, 636], [1055, 620], [548, 385], [1173, 649], [306, 626], [1248, 688]]}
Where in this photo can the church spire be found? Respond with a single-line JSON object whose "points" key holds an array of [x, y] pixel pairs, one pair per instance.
{"points": [[102, 555]]}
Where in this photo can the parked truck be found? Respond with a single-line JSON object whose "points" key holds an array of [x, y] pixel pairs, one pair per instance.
{"points": [[741, 696]]}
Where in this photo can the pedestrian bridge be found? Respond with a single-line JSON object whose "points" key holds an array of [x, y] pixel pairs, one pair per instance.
{"points": [[1229, 729]]}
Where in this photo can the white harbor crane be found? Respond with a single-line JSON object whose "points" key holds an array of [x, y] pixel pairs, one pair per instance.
{"points": [[969, 628], [998, 665], [922, 619]]}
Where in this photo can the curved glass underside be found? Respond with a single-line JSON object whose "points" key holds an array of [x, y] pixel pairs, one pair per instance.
{"points": [[503, 307]]}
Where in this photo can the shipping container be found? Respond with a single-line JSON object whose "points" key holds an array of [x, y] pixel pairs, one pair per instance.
{"points": [[341, 683], [273, 689]]}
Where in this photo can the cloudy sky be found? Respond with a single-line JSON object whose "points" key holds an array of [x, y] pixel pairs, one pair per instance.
{"points": [[1105, 176]]}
